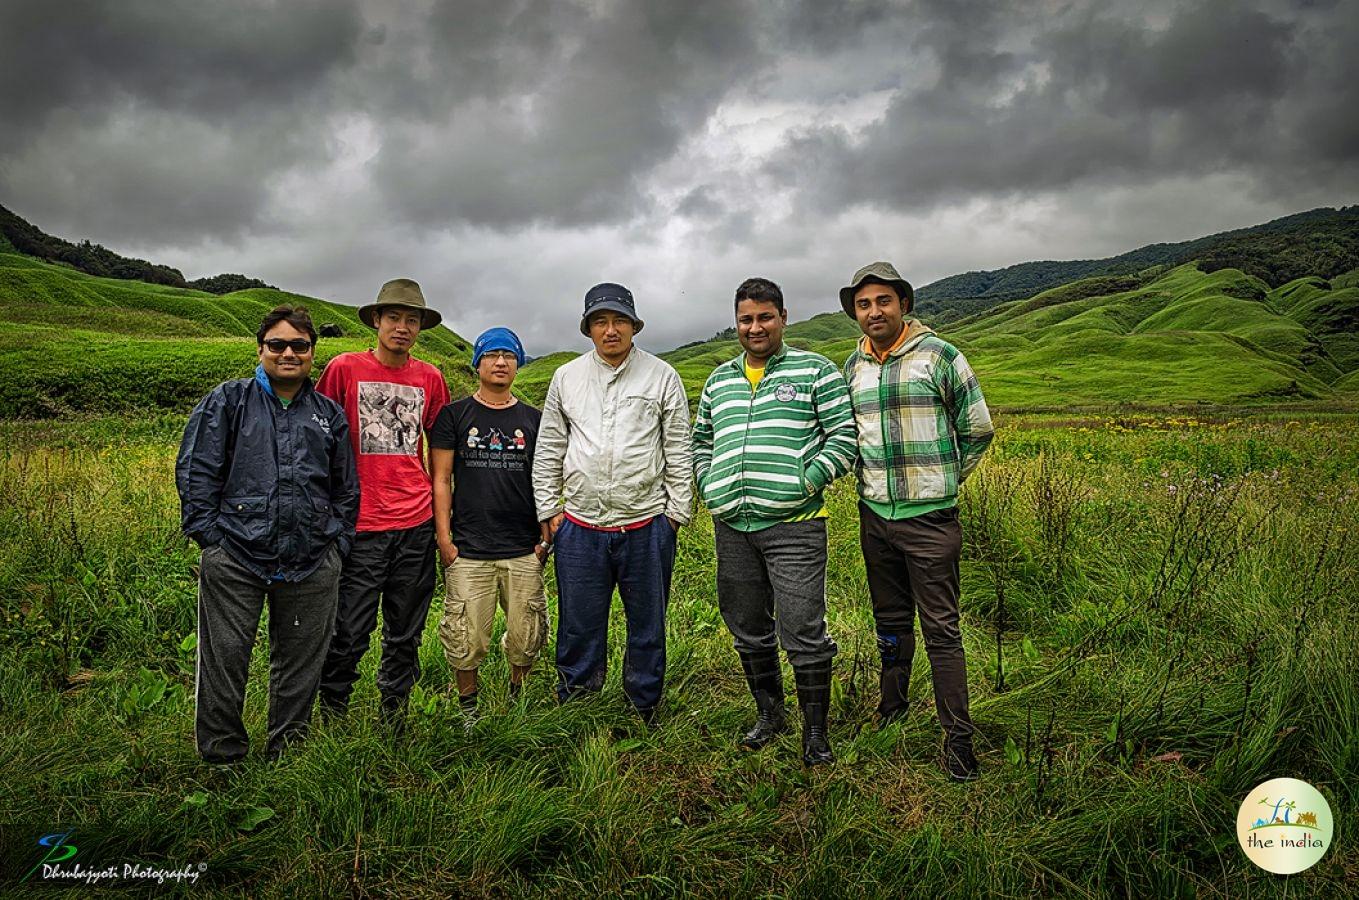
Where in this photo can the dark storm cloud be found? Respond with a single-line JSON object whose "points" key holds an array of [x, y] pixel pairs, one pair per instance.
{"points": [[205, 59], [1220, 86], [163, 121], [509, 153], [566, 109]]}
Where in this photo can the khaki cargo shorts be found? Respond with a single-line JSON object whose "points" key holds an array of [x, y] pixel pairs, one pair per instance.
{"points": [[473, 590]]}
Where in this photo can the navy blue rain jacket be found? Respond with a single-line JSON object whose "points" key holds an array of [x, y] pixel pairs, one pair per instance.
{"points": [[275, 485]]}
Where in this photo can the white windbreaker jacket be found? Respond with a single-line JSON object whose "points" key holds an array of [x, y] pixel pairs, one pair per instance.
{"points": [[613, 444]]}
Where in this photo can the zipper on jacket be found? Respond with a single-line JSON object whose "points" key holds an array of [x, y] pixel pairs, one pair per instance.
{"points": [[883, 411], [745, 437]]}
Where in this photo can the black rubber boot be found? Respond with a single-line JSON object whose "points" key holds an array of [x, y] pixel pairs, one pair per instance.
{"points": [[894, 679], [765, 679], [813, 695]]}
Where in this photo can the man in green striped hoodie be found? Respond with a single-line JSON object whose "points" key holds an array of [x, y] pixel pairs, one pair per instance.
{"points": [[923, 426], [774, 428]]}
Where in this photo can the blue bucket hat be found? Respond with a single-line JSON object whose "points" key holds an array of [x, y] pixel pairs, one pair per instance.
{"points": [[497, 339]]}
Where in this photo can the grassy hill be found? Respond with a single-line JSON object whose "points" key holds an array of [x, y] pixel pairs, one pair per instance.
{"points": [[1157, 337], [1322, 242], [71, 342]]}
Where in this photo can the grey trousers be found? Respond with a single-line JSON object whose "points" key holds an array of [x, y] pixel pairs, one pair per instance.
{"points": [[301, 616], [771, 589]]}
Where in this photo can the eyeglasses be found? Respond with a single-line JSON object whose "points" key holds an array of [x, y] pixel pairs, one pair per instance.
{"points": [[500, 356], [297, 345]]}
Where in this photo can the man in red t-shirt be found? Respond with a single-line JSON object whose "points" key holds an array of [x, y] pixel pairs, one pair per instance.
{"points": [[390, 399]]}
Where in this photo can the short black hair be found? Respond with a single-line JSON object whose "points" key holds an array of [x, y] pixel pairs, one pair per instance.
{"points": [[762, 290], [296, 316]]}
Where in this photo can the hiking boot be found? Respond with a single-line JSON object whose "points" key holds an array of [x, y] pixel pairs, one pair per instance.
{"points": [[960, 762], [765, 679], [813, 696]]}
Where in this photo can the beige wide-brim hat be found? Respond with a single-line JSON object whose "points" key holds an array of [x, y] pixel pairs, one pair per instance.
{"points": [[877, 273], [403, 293]]}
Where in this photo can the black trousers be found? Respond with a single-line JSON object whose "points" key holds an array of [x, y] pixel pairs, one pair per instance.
{"points": [[912, 567], [394, 569]]}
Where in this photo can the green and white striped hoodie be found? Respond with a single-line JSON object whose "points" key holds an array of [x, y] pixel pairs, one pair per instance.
{"points": [[764, 457]]}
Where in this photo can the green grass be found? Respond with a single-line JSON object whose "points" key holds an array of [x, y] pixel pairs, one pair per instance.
{"points": [[1178, 625]]}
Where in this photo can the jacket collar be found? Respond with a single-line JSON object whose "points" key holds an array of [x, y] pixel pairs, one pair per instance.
{"points": [[618, 369], [739, 362], [263, 381]]}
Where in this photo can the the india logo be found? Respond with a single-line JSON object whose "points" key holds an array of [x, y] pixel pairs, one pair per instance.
{"points": [[1284, 826]]}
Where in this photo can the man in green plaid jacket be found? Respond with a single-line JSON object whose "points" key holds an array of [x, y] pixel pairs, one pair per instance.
{"points": [[923, 426]]}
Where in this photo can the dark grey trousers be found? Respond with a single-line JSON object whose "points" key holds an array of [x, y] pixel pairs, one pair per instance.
{"points": [[771, 589], [301, 616], [912, 568]]}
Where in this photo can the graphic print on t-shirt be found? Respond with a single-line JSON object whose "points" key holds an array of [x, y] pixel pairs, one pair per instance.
{"points": [[390, 417]]}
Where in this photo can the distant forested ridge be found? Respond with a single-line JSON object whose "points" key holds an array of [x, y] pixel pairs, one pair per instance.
{"points": [[96, 259], [1322, 242]]}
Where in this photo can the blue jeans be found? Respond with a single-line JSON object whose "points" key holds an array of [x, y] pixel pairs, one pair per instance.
{"points": [[589, 565]]}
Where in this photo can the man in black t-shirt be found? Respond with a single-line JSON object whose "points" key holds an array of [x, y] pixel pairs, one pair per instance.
{"points": [[490, 541]]}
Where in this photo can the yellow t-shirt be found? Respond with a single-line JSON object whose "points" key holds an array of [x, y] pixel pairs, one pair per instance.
{"points": [[753, 375]]}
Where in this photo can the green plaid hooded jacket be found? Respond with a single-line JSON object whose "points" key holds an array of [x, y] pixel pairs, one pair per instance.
{"points": [[923, 423]]}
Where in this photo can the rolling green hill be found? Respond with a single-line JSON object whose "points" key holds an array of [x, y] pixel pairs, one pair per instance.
{"points": [[1321, 242], [1157, 337], [72, 343]]}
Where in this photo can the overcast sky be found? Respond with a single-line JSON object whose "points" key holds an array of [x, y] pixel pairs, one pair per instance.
{"points": [[508, 154]]}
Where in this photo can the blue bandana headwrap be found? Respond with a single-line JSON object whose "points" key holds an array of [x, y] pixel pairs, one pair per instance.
{"points": [[497, 339]]}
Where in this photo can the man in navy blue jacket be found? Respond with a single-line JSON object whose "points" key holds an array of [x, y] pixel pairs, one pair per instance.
{"points": [[268, 489]]}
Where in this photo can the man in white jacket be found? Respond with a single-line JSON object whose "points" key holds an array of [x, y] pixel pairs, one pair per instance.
{"points": [[611, 480]]}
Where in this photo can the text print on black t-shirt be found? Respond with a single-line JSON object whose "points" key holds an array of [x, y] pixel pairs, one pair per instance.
{"points": [[490, 448]]}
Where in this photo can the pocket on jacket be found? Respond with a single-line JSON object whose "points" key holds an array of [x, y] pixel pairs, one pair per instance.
{"points": [[331, 526], [245, 506], [245, 518]]}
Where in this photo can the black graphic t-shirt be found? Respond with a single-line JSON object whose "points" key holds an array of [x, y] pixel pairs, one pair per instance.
{"points": [[493, 512]]}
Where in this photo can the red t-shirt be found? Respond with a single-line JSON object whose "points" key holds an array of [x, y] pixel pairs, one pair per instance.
{"points": [[388, 410]]}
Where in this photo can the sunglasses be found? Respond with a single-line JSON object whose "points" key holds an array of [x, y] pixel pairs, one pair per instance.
{"points": [[297, 345]]}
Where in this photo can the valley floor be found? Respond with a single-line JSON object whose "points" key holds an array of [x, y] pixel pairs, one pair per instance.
{"points": [[1160, 613]]}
